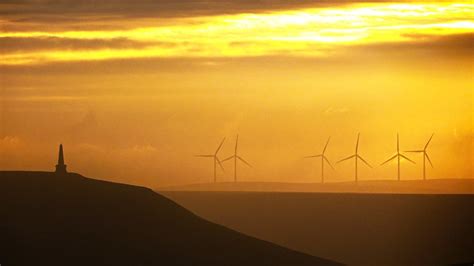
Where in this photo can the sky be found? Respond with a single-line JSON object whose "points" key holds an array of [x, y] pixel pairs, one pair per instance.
{"points": [[135, 89]]}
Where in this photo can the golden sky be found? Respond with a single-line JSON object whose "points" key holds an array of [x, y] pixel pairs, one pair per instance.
{"points": [[308, 32], [134, 89]]}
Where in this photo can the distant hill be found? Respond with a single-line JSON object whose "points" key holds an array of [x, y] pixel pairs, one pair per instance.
{"points": [[352, 228], [46, 219], [432, 186]]}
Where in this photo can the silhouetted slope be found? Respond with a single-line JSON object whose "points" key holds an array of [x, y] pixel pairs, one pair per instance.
{"points": [[356, 229], [71, 220]]}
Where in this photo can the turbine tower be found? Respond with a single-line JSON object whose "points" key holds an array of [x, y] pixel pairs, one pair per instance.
{"points": [[398, 155], [323, 158], [236, 158], [215, 158], [425, 156], [357, 157]]}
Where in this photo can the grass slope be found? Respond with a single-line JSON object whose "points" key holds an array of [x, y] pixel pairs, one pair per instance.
{"points": [[353, 228], [71, 220]]}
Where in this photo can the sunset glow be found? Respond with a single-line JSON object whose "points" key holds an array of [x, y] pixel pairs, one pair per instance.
{"points": [[312, 32], [134, 90]]}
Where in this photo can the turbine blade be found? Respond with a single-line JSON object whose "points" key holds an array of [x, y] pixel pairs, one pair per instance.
{"points": [[326, 159], [228, 158], [427, 143], [391, 158], [220, 146], [325, 146], [428, 157], [364, 161], [398, 144], [313, 156], [357, 143], [415, 151], [406, 158], [220, 164], [236, 143], [347, 158], [204, 155], [244, 161]]}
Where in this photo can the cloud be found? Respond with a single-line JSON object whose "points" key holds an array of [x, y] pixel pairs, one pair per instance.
{"points": [[28, 11], [57, 15], [32, 99], [89, 149], [310, 32], [461, 44], [336, 110], [11, 148], [144, 149], [316, 33], [458, 46], [28, 44], [8, 142]]}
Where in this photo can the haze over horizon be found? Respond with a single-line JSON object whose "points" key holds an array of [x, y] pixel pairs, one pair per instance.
{"points": [[135, 89]]}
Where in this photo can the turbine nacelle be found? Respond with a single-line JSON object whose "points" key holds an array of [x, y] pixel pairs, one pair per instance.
{"points": [[425, 156], [323, 158], [357, 157], [397, 156], [216, 159], [236, 158]]}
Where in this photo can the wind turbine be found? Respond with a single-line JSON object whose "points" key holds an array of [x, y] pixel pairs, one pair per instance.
{"points": [[425, 156], [236, 157], [215, 158], [357, 158], [323, 158], [398, 155]]}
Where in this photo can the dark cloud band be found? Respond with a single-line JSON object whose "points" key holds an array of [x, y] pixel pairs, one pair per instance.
{"points": [[68, 10], [460, 46], [22, 44]]}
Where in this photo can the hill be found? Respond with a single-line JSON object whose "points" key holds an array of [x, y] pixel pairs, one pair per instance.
{"points": [[47, 219], [433, 186], [352, 228]]}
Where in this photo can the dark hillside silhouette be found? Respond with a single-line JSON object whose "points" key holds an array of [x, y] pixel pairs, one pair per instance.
{"points": [[51, 219], [355, 229]]}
